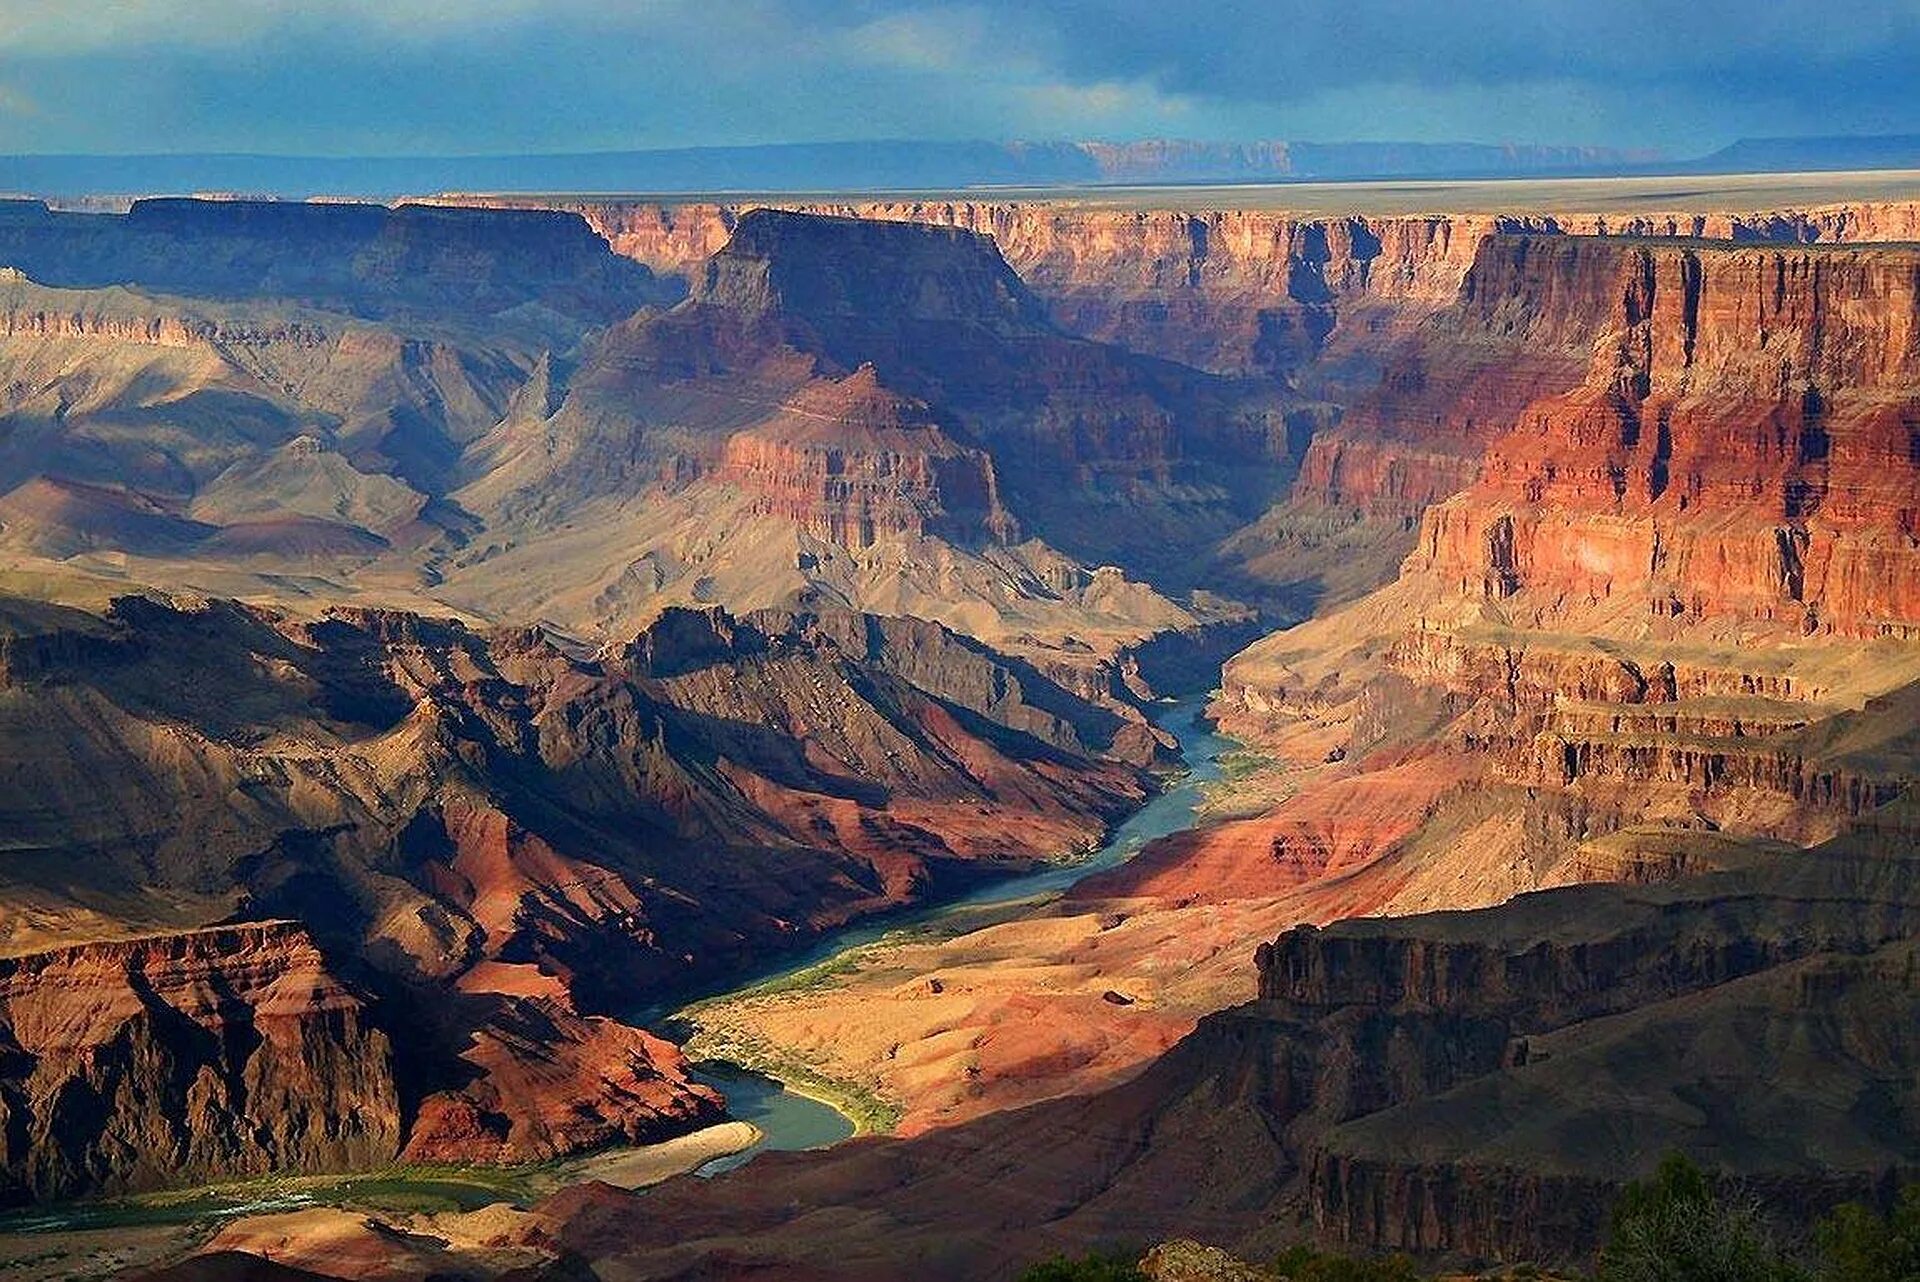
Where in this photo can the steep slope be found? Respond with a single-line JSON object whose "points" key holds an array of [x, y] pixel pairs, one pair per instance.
{"points": [[190, 410], [868, 415], [198, 1055], [1471, 1085], [1323, 303], [1673, 590], [1742, 444], [1530, 704], [1099, 450], [1235, 290], [502, 841], [364, 260], [288, 424]]}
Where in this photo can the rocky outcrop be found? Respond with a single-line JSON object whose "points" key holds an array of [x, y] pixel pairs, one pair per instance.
{"points": [[538, 1081], [1597, 1044], [852, 463], [1234, 290], [1739, 444], [235, 1050], [1522, 324], [507, 843], [1670, 596], [219, 385], [809, 340], [1475, 1087], [875, 273], [368, 260]]}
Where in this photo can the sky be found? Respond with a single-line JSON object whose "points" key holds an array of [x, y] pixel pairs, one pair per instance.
{"points": [[452, 77]]}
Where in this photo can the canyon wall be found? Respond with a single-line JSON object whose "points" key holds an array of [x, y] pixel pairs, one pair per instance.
{"points": [[508, 844], [1743, 441], [368, 260], [203, 1055], [1592, 1010], [1229, 290], [1475, 1087], [1668, 612]]}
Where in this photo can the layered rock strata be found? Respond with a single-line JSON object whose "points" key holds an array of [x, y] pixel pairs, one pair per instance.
{"points": [[505, 843], [1230, 290], [1468, 1086], [228, 1051]]}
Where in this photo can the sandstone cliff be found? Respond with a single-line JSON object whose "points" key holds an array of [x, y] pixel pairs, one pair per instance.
{"points": [[419, 405], [1738, 445], [366, 260], [228, 1051], [1671, 596], [1231, 290], [806, 428]]}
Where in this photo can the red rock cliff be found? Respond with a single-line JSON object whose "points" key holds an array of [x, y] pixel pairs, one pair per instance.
{"points": [[1743, 441], [852, 462], [212, 1053], [1227, 289]]}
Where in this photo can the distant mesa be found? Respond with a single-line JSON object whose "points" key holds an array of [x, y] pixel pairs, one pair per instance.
{"points": [[847, 166]]}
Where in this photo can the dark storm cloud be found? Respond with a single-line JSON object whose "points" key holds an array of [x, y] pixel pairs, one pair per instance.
{"points": [[492, 75]]}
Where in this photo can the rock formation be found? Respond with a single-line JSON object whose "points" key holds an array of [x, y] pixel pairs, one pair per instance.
{"points": [[433, 405], [833, 587], [1231, 290], [871, 413], [365, 260], [1657, 601], [200, 1055], [1472, 1086], [1739, 445], [504, 843]]}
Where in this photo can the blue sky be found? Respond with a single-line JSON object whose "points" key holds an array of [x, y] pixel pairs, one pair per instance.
{"points": [[400, 77]]}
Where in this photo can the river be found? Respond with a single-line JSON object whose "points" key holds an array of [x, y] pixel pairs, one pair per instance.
{"points": [[786, 1119], [789, 1120]]}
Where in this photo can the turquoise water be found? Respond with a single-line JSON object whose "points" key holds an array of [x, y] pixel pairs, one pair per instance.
{"points": [[788, 1122], [791, 1122]]}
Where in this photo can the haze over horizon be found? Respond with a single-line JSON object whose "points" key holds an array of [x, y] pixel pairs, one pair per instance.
{"points": [[435, 78]]}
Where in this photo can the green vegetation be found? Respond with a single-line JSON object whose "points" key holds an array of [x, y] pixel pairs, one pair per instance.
{"points": [[1675, 1227], [396, 1190], [1117, 1266], [1237, 764], [1300, 1264], [870, 1113], [1856, 1245]]}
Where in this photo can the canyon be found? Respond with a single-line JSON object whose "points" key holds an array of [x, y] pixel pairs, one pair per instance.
{"points": [[1397, 1082], [490, 843], [440, 639]]}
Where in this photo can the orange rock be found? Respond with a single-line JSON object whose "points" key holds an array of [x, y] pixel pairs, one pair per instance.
{"points": [[198, 1055]]}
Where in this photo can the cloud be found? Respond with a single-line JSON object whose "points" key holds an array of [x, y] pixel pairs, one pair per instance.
{"points": [[35, 27], [497, 75], [936, 40]]}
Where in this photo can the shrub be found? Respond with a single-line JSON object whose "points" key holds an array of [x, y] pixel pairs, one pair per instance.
{"points": [[1093, 1267], [1676, 1228], [1857, 1245], [1302, 1264]]}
